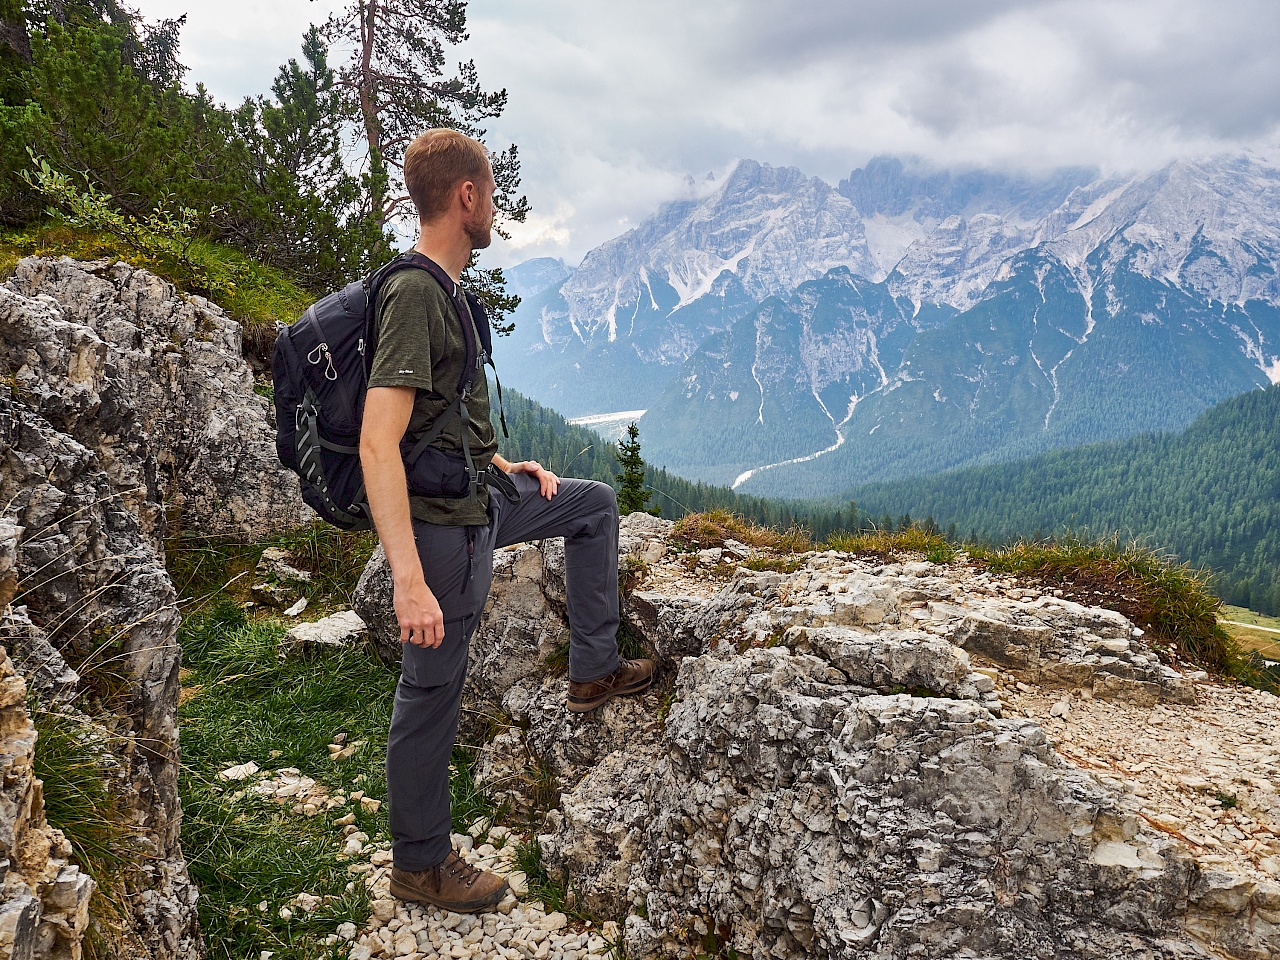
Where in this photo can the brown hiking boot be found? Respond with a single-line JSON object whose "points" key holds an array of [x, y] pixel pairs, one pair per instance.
{"points": [[632, 676], [453, 885]]}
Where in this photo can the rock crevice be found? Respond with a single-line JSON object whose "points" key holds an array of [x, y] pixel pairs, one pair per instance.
{"points": [[121, 400]]}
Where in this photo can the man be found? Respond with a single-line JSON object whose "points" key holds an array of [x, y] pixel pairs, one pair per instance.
{"points": [[440, 550]]}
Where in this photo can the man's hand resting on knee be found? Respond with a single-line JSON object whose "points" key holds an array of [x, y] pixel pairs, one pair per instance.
{"points": [[547, 481]]}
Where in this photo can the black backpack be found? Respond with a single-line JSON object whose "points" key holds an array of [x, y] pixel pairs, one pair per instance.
{"points": [[320, 370]]}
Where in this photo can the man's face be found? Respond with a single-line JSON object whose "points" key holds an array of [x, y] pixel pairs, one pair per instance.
{"points": [[479, 226]]}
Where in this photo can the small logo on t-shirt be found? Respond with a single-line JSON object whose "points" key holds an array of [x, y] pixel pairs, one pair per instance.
{"points": [[406, 371]]}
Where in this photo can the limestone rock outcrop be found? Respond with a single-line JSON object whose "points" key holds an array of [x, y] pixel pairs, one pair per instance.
{"points": [[44, 899], [120, 399], [94, 592], [154, 383], [851, 760]]}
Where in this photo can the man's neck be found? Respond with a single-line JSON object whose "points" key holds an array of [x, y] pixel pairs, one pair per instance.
{"points": [[451, 248]]}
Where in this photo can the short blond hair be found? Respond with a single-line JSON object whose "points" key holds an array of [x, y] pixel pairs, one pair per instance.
{"points": [[436, 162]]}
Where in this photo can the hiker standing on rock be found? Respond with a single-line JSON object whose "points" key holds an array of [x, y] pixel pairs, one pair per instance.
{"points": [[440, 549]]}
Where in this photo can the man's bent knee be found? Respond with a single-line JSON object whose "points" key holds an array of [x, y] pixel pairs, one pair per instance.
{"points": [[603, 498]]}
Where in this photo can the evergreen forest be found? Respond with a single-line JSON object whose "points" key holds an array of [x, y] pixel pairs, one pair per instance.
{"points": [[100, 128], [1210, 494]]}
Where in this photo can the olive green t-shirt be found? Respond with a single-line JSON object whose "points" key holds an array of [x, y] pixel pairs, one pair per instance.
{"points": [[421, 344]]}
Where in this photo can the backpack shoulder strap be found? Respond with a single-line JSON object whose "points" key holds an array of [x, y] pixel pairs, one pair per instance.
{"points": [[373, 284], [456, 295]]}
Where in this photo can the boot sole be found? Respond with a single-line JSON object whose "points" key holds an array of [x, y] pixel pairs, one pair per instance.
{"points": [[586, 706], [401, 892]]}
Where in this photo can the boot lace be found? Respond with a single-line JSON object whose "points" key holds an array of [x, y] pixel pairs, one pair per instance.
{"points": [[459, 869]]}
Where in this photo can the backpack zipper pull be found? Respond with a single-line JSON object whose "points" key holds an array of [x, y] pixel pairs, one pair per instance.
{"points": [[322, 353]]}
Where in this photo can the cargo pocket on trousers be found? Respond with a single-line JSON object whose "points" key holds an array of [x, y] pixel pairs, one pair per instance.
{"points": [[436, 666]]}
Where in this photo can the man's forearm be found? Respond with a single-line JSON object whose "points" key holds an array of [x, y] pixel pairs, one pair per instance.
{"points": [[388, 492]]}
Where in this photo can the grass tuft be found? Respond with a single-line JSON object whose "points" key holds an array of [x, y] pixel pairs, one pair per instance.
{"points": [[76, 767], [885, 544], [1171, 601], [774, 564], [556, 894], [702, 531]]}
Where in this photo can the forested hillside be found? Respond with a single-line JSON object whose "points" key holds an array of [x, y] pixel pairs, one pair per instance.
{"points": [[1211, 494], [99, 124], [539, 433]]}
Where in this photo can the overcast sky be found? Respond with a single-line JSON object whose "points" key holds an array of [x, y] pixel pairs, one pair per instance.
{"points": [[615, 104]]}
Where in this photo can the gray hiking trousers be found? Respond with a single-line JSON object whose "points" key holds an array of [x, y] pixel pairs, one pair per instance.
{"points": [[429, 694]]}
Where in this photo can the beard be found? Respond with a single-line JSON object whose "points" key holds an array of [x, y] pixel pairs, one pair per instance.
{"points": [[480, 233]]}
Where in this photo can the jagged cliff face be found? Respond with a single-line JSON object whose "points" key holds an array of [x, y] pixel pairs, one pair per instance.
{"points": [[118, 398], [880, 757], [1043, 312]]}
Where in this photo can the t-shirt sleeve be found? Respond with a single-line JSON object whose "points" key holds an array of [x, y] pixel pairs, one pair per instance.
{"points": [[403, 355]]}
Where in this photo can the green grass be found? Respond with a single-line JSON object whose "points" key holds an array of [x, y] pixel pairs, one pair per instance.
{"points": [[1244, 615], [1172, 601], [75, 766], [888, 543], [202, 567], [702, 531], [557, 895], [253, 293], [246, 703], [1261, 637]]}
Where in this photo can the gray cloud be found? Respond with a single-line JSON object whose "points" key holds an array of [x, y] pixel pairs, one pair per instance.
{"points": [[614, 104], [774, 33]]}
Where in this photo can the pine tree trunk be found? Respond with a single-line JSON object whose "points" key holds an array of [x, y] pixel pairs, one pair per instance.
{"points": [[368, 105]]}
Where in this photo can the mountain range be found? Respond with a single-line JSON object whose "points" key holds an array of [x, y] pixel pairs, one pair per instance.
{"points": [[793, 338]]}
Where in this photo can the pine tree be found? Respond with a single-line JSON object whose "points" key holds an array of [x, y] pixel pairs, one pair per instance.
{"points": [[395, 85], [632, 495]]}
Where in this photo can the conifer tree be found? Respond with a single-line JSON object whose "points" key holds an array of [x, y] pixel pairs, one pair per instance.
{"points": [[396, 84], [632, 495]]}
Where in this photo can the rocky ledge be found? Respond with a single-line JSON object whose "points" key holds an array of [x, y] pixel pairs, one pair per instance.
{"points": [[869, 757]]}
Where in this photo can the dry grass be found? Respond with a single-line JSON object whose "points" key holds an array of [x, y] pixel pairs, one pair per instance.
{"points": [[888, 544], [702, 531]]}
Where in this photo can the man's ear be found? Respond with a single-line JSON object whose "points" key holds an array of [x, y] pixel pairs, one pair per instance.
{"points": [[469, 194]]}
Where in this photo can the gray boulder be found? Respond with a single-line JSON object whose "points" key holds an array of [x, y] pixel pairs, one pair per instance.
{"points": [[155, 383], [338, 631], [832, 776]]}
